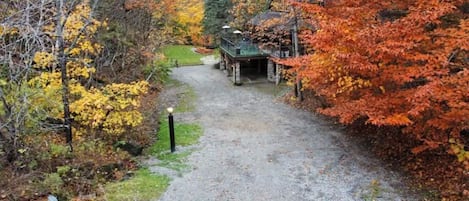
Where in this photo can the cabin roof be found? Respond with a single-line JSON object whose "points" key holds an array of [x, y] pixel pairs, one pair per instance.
{"points": [[287, 23], [261, 18]]}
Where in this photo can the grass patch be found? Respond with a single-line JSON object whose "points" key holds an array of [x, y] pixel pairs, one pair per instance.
{"points": [[374, 191], [142, 186], [183, 54], [185, 135], [186, 96], [186, 100], [173, 83], [175, 161]]}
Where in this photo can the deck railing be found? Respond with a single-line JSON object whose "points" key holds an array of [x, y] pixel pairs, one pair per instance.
{"points": [[280, 54], [241, 48]]}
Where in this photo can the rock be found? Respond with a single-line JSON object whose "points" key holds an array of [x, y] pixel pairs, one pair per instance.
{"points": [[52, 198], [131, 148]]}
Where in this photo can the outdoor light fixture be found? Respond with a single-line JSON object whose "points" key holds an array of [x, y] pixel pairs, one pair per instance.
{"points": [[237, 32], [171, 129], [225, 29]]}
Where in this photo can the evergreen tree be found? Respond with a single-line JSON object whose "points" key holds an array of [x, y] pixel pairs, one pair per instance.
{"points": [[216, 15]]}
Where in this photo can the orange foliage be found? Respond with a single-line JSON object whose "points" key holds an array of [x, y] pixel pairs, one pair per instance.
{"points": [[202, 50], [400, 63]]}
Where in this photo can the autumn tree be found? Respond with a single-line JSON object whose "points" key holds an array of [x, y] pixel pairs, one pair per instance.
{"points": [[155, 22], [166, 29], [190, 14], [33, 84], [244, 10], [401, 63]]}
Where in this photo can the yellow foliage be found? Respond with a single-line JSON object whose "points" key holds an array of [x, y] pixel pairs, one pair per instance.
{"points": [[116, 122], [47, 80], [43, 60], [78, 19], [190, 15], [47, 94], [457, 148], [112, 108], [84, 46], [77, 69], [348, 84], [50, 28], [8, 30]]}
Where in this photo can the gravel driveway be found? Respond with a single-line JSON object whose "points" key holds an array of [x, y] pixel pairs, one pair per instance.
{"points": [[256, 148]]}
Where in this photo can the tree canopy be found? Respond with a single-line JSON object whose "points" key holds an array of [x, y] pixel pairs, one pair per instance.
{"points": [[401, 63], [216, 15]]}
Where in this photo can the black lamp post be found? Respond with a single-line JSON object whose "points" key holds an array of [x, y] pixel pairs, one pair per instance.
{"points": [[171, 129]]}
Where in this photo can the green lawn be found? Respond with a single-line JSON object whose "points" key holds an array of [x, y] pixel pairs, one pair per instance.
{"points": [[145, 185], [185, 135], [142, 186], [183, 54]]}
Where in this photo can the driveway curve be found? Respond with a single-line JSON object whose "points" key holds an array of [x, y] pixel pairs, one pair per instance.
{"points": [[255, 148]]}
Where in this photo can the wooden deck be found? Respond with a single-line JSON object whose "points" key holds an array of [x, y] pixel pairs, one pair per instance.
{"points": [[241, 49]]}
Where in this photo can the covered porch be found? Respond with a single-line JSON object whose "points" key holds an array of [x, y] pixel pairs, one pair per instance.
{"points": [[243, 61]]}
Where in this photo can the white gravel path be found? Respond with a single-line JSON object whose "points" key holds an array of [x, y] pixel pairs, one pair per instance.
{"points": [[255, 148]]}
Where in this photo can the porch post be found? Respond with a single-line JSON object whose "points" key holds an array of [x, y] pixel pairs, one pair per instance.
{"points": [[237, 74], [270, 70], [228, 67], [278, 73], [222, 62]]}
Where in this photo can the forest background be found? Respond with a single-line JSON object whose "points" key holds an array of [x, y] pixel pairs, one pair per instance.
{"points": [[79, 80]]}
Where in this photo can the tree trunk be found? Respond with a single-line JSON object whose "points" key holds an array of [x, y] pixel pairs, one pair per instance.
{"points": [[63, 68], [298, 85]]}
